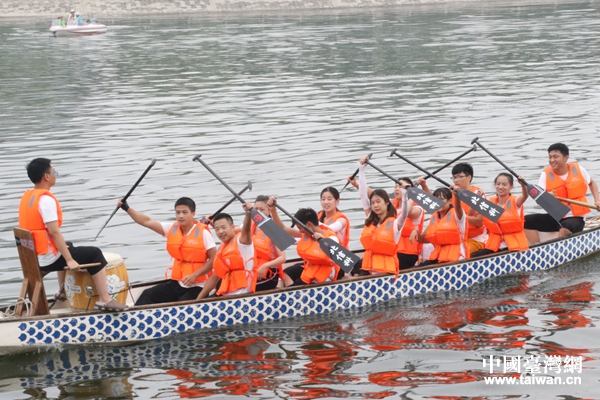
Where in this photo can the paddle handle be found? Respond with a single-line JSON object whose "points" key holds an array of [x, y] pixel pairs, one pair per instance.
{"points": [[355, 173], [476, 141], [209, 169], [432, 174], [296, 220], [579, 203], [84, 266]]}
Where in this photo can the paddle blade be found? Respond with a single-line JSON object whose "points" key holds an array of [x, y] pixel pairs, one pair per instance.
{"points": [[343, 257], [280, 238], [551, 204], [429, 202], [483, 206]]}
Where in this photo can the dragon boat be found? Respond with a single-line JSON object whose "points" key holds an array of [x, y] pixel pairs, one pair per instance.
{"points": [[66, 326]]}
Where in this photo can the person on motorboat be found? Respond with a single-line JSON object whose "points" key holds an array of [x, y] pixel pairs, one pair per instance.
{"points": [[79, 19], [72, 19]]}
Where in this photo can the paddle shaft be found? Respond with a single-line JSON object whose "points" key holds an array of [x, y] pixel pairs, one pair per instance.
{"points": [[449, 163], [127, 196], [579, 203], [431, 174], [296, 220], [84, 266], [385, 173], [354, 174], [476, 140], [241, 192], [209, 169]]}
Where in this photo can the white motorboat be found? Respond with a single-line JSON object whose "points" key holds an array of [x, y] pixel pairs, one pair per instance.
{"points": [[91, 28]]}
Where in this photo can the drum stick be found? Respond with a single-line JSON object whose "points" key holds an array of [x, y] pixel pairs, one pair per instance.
{"points": [[85, 266]]}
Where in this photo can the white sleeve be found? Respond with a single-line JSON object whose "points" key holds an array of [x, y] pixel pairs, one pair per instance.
{"points": [[401, 219], [209, 240], [48, 209], [585, 174], [417, 221], [166, 226], [247, 252], [362, 187], [542, 180], [462, 223], [336, 226]]}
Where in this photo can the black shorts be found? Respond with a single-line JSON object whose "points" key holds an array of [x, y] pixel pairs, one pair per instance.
{"points": [[545, 223], [83, 255]]}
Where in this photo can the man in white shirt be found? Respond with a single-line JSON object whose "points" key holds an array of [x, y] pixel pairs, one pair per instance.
{"points": [[40, 213], [192, 248]]}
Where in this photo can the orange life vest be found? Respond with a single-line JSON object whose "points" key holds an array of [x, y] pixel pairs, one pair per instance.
{"points": [[380, 248], [573, 188], [30, 218], [229, 266], [444, 234], [317, 265], [335, 217], [188, 251], [264, 249], [473, 231], [508, 228]]}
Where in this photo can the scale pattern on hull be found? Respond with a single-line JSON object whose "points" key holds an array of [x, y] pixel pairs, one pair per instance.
{"points": [[136, 325]]}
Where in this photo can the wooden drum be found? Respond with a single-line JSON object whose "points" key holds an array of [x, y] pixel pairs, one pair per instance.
{"points": [[80, 288]]}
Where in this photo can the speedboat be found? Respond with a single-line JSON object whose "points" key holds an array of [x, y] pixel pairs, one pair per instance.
{"points": [[90, 28]]}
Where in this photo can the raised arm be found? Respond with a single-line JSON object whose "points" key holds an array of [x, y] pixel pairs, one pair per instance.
{"points": [[457, 203], [275, 217], [246, 236], [362, 187], [142, 219], [524, 194]]}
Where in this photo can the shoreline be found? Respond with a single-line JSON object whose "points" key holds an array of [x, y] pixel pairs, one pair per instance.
{"points": [[120, 8]]}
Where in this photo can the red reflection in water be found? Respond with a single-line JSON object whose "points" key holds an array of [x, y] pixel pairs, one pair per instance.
{"points": [[569, 317]]}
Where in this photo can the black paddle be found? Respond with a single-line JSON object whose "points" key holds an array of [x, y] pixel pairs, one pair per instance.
{"points": [[354, 174], [340, 255], [429, 203], [241, 192], [548, 202], [449, 163], [478, 203], [278, 236], [127, 195]]}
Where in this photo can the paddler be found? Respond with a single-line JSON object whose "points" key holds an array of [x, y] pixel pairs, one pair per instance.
{"points": [[564, 179], [233, 269], [192, 248], [40, 213], [508, 233]]}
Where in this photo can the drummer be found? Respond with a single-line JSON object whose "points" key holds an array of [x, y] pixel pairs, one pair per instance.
{"points": [[40, 213], [192, 247]]}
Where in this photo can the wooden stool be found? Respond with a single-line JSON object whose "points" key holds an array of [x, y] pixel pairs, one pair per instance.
{"points": [[33, 285]]}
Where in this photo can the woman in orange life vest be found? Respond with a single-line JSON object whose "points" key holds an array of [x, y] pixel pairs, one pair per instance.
{"points": [[407, 252], [382, 230], [317, 266], [269, 259], [447, 230], [331, 216], [191, 246], [508, 232]]}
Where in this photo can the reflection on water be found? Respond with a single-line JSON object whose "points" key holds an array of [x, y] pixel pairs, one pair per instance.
{"points": [[291, 101]]}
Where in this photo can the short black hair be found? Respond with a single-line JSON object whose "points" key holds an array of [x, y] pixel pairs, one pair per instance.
{"points": [[464, 168], [37, 168], [305, 215], [224, 216], [262, 198], [561, 147], [407, 179], [444, 192], [186, 201]]}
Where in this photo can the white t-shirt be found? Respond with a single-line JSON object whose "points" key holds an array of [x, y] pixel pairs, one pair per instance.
{"points": [[209, 243], [584, 173], [49, 212], [247, 253]]}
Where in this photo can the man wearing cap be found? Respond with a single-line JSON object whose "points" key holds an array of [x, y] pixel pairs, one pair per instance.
{"points": [[72, 19]]}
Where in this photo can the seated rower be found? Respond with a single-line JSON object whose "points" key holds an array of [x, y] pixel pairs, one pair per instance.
{"points": [[567, 180], [192, 248], [446, 230], [407, 251], [508, 232], [331, 216], [462, 177], [234, 263], [269, 259], [317, 266]]}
